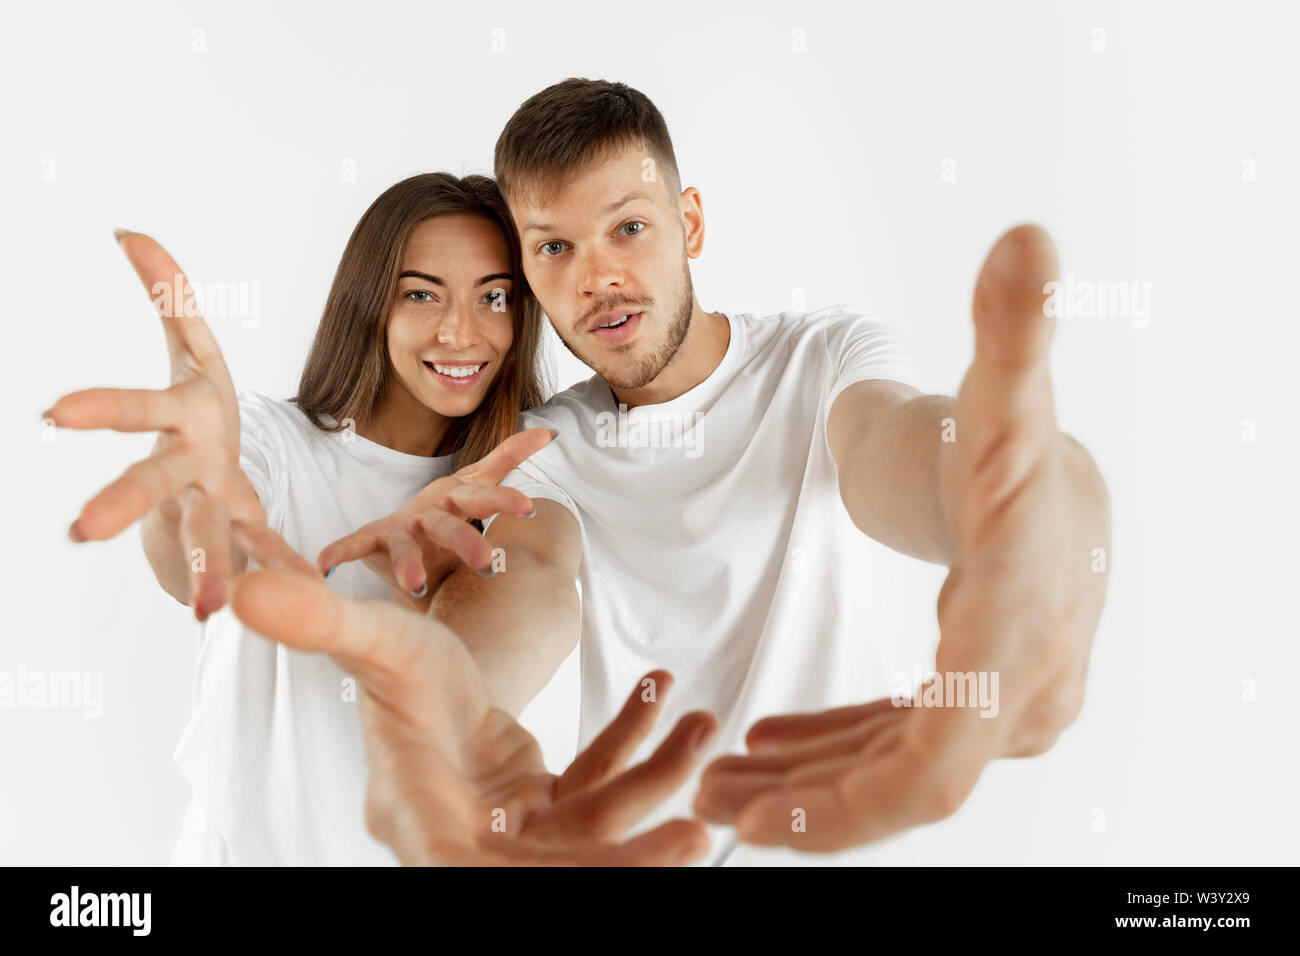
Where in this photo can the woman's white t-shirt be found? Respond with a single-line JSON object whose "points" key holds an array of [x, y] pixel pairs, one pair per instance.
{"points": [[273, 749]]}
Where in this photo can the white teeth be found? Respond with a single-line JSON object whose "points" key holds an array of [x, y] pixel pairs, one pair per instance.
{"points": [[615, 324], [458, 371]]}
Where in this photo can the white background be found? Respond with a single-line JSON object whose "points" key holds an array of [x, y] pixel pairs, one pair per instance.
{"points": [[823, 179]]}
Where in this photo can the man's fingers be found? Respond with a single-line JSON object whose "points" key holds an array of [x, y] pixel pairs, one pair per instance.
{"points": [[731, 782], [375, 640], [137, 491], [854, 801], [205, 536], [788, 729], [268, 549], [837, 743], [121, 409], [609, 753], [612, 808], [723, 795], [506, 457], [674, 843]]}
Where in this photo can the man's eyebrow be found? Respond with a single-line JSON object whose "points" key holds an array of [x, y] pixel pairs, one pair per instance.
{"points": [[615, 205], [412, 274]]}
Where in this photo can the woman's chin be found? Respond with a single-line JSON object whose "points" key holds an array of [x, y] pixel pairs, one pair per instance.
{"points": [[454, 403]]}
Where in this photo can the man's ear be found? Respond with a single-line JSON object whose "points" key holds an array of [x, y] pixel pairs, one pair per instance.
{"points": [[692, 211]]}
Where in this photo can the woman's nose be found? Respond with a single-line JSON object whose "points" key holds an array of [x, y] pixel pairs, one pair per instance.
{"points": [[458, 329]]}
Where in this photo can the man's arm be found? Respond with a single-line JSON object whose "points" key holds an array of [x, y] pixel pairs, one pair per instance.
{"points": [[520, 624], [1029, 515], [885, 439]]}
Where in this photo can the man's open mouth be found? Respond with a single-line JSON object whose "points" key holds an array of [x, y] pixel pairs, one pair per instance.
{"points": [[616, 329]]}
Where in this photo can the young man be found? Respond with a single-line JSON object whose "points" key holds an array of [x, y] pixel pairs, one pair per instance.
{"points": [[726, 553], [705, 485]]}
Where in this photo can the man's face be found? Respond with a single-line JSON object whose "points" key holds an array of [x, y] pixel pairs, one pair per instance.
{"points": [[611, 245]]}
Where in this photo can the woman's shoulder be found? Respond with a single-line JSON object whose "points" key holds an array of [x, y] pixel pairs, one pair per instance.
{"points": [[263, 415]]}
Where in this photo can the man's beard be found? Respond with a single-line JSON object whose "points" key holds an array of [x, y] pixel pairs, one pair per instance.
{"points": [[645, 371]]}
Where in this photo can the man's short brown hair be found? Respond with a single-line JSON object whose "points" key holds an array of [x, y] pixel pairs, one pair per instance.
{"points": [[566, 127]]}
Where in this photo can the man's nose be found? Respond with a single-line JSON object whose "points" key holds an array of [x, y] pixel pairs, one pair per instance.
{"points": [[601, 272]]}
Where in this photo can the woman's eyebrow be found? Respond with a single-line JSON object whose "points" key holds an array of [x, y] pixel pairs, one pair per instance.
{"points": [[412, 274]]}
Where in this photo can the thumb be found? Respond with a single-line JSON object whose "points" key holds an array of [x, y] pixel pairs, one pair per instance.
{"points": [[1004, 409], [1008, 381], [1013, 330], [399, 654]]}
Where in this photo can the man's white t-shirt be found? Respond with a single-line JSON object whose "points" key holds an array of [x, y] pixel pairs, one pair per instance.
{"points": [[715, 543], [273, 750]]}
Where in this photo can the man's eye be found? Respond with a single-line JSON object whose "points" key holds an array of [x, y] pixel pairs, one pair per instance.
{"points": [[547, 245], [415, 292]]}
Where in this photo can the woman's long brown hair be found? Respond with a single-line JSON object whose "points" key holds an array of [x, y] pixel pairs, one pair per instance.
{"points": [[348, 370]]}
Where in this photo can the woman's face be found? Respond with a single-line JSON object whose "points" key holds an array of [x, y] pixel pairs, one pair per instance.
{"points": [[450, 324]]}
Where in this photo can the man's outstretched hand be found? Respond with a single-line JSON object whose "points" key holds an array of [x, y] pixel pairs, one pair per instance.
{"points": [[455, 781], [1029, 514]]}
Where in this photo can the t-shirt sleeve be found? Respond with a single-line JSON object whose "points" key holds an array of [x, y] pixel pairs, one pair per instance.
{"points": [[263, 452], [861, 347], [533, 482]]}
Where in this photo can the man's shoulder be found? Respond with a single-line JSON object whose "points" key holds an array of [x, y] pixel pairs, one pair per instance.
{"points": [[793, 331], [802, 322], [577, 402]]}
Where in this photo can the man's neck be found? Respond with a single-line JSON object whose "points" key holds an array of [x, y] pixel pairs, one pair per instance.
{"points": [[700, 353]]}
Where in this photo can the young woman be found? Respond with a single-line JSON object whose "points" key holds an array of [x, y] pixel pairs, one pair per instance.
{"points": [[426, 352]]}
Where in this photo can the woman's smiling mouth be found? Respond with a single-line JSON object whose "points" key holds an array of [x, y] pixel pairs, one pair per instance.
{"points": [[456, 374]]}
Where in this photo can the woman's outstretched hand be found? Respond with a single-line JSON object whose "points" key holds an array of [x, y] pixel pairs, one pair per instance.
{"points": [[192, 477], [418, 545], [454, 781]]}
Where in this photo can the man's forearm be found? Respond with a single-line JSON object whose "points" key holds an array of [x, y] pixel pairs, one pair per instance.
{"points": [[517, 646], [520, 624], [889, 467]]}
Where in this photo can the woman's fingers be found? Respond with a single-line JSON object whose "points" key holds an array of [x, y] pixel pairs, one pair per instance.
{"points": [[121, 409], [608, 754], [407, 559], [507, 456], [483, 501], [205, 536], [359, 544], [140, 488], [457, 536], [610, 809], [174, 299]]}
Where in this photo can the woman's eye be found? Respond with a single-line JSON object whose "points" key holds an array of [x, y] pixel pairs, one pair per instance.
{"points": [[641, 224], [547, 245], [502, 296], [418, 292]]}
